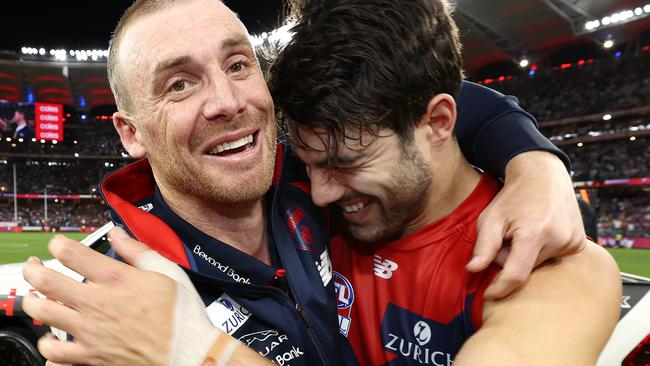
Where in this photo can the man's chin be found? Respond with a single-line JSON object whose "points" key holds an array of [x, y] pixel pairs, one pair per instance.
{"points": [[372, 234]]}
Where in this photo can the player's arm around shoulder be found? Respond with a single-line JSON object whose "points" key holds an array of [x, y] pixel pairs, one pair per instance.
{"points": [[563, 315]]}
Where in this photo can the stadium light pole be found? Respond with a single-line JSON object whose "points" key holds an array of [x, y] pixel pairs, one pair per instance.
{"points": [[45, 205], [15, 196]]}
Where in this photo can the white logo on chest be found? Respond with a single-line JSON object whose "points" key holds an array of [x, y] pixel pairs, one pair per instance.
{"points": [[384, 268], [227, 315]]}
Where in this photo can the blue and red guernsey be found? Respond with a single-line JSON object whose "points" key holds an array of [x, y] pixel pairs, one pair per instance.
{"points": [[411, 301]]}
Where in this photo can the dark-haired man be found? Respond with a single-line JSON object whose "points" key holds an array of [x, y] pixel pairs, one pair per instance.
{"points": [[192, 100], [21, 129], [367, 89]]}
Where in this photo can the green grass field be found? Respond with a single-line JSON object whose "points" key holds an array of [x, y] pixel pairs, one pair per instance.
{"points": [[17, 247], [634, 261]]}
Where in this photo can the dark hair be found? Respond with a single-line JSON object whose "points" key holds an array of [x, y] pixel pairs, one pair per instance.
{"points": [[365, 65]]}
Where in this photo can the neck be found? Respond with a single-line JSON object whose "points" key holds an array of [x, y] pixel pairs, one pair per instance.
{"points": [[453, 181], [240, 225]]}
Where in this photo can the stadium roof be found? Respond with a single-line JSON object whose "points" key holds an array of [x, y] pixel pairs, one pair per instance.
{"points": [[492, 31], [499, 30]]}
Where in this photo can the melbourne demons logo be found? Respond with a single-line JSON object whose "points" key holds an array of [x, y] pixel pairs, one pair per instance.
{"points": [[344, 301], [299, 230]]}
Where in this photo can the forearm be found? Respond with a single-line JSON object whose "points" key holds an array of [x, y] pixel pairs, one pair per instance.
{"points": [[536, 164], [492, 129], [228, 351], [508, 137]]}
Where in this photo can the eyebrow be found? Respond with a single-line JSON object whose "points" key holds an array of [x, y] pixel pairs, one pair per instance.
{"points": [[239, 40], [168, 64], [165, 65], [338, 160]]}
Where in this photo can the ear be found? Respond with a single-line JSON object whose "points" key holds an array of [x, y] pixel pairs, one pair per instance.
{"points": [[440, 118], [127, 131]]}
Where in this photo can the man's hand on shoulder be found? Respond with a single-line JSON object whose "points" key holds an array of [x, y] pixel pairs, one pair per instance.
{"points": [[536, 213]]}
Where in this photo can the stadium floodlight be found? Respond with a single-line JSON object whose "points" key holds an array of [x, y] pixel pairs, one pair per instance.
{"points": [[606, 20], [41, 51], [280, 36], [608, 43], [647, 8], [23, 50], [524, 62], [607, 117], [638, 11]]}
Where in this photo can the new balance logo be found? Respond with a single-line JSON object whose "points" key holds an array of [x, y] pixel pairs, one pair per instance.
{"points": [[384, 268], [146, 207], [324, 266]]}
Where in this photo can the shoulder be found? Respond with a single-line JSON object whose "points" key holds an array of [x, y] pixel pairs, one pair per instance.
{"points": [[592, 271], [591, 274], [563, 314]]}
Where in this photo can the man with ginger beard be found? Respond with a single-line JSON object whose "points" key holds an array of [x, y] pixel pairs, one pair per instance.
{"points": [[192, 100]]}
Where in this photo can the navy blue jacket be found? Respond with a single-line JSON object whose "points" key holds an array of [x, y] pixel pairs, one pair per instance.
{"points": [[289, 317], [491, 129]]}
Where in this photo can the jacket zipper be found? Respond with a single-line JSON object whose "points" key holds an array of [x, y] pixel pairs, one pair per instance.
{"points": [[298, 307]]}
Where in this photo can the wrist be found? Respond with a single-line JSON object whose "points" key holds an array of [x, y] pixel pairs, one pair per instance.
{"points": [[534, 163], [221, 351]]}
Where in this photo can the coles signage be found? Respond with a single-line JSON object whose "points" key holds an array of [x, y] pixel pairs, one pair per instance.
{"points": [[49, 121]]}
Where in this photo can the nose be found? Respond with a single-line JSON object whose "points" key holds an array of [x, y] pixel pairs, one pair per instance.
{"points": [[325, 188], [225, 98]]}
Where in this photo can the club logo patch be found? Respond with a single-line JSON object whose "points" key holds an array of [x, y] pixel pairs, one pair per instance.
{"points": [[300, 228], [344, 301]]}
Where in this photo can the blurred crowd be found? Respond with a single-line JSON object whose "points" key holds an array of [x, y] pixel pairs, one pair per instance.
{"points": [[65, 213], [91, 149], [92, 139], [610, 160], [77, 176], [592, 87], [624, 217]]}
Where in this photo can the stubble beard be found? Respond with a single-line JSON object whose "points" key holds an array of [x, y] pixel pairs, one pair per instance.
{"points": [[409, 194], [190, 178]]}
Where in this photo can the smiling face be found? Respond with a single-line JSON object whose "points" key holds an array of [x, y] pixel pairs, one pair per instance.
{"points": [[380, 183], [202, 113]]}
